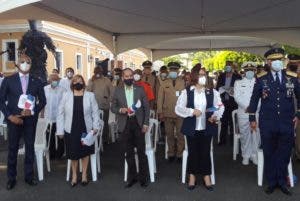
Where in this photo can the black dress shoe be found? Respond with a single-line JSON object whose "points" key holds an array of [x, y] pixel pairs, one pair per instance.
{"points": [[84, 183], [269, 190], [11, 184], [285, 190], [179, 159], [209, 188], [131, 183], [144, 184], [31, 182], [171, 159], [191, 187], [73, 184]]}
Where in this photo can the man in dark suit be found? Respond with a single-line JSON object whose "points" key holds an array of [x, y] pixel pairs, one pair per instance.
{"points": [[21, 122], [225, 86], [279, 91], [130, 104]]}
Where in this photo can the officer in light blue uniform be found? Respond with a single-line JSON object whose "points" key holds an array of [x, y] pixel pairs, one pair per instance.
{"points": [[277, 89]]}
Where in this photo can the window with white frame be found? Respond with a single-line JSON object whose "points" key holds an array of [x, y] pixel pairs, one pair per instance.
{"points": [[79, 62], [9, 58], [59, 59]]}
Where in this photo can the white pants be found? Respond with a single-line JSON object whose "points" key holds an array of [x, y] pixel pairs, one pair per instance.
{"points": [[249, 141]]}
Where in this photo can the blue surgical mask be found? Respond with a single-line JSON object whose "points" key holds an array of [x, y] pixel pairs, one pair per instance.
{"points": [[277, 65], [249, 75], [173, 75], [54, 84], [228, 69]]}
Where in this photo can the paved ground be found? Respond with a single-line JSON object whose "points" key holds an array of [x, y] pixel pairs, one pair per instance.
{"points": [[234, 182]]}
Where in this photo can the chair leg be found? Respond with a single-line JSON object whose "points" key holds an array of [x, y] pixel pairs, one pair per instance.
{"points": [[125, 170], [235, 146], [98, 162], [212, 176], [68, 170], [184, 164], [166, 149], [291, 175], [93, 166], [39, 162], [260, 167], [154, 162], [137, 162], [48, 160], [150, 157], [80, 165], [5, 133]]}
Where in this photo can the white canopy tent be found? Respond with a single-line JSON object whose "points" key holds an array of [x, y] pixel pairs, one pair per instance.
{"points": [[162, 28]]}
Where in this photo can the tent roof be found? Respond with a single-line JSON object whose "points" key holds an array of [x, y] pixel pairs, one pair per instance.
{"points": [[172, 25]]}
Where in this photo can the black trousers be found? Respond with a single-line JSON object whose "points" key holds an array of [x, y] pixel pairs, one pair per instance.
{"points": [[132, 137], [27, 130], [199, 161], [61, 144], [226, 120]]}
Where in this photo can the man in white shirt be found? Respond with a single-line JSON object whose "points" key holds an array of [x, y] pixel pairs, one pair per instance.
{"points": [[242, 95], [54, 93], [66, 82]]}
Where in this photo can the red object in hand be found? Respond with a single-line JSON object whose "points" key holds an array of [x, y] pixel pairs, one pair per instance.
{"points": [[27, 105]]}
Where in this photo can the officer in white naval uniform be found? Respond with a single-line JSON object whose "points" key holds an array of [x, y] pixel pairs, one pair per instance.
{"points": [[242, 93]]}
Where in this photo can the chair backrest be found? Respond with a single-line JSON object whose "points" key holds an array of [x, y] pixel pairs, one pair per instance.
{"points": [[101, 113], [152, 114], [99, 137], [111, 117], [148, 136], [40, 133], [154, 132], [235, 122], [1, 118]]}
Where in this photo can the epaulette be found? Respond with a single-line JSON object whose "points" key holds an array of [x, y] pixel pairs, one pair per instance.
{"points": [[261, 74], [292, 74]]}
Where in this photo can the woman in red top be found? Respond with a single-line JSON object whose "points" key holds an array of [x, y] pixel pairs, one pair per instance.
{"points": [[147, 87]]}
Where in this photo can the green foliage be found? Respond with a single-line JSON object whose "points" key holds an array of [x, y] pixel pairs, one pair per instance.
{"points": [[214, 60], [291, 50]]}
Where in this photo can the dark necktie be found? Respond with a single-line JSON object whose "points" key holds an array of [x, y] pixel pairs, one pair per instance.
{"points": [[277, 81], [174, 83]]}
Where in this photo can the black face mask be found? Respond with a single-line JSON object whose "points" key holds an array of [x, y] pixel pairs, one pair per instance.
{"points": [[78, 86], [128, 82]]}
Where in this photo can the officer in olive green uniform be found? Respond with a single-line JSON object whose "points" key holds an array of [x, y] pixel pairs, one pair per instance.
{"points": [[102, 88], [167, 98], [149, 78]]}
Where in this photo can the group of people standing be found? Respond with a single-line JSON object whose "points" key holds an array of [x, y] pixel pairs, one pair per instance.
{"points": [[188, 105]]}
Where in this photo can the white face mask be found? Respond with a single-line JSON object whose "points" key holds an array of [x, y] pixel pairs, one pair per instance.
{"points": [[277, 65], [136, 77], [202, 80], [249, 75], [24, 66]]}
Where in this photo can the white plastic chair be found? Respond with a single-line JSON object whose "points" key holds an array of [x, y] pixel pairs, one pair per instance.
{"points": [[3, 126], [260, 169], [41, 147], [152, 114], [184, 163], [236, 135], [150, 152], [94, 158]]}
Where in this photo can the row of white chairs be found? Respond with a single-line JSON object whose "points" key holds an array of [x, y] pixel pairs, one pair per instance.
{"points": [[260, 155], [3, 126]]}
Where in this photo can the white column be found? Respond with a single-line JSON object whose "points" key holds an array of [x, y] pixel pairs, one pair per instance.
{"points": [[88, 64]]}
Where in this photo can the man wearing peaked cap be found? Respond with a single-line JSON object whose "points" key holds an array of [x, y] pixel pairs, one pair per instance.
{"points": [[294, 66], [149, 78], [277, 91], [167, 97], [242, 94]]}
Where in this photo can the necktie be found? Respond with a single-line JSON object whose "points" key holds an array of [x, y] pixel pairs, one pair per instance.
{"points": [[174, 83], [24, 84], [277, 81]]}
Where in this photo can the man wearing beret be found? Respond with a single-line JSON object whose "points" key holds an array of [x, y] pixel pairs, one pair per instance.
{"points": [[167, 98], [242, 94], [277, 89]]}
